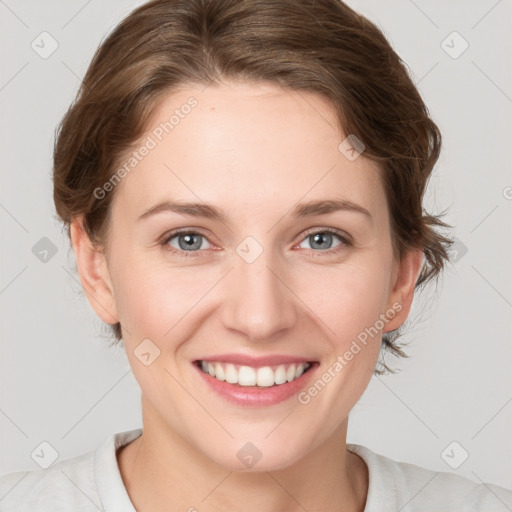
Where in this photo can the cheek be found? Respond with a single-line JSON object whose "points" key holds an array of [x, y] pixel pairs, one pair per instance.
{"points": [[349, 299], [152, 298]]}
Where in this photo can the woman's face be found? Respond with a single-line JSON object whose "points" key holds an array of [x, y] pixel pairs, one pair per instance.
{"points": [[268, 282]]}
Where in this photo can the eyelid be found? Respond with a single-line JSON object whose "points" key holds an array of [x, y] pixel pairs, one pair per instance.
{"points": [[338, 232], [345, 238], [167, 237]]}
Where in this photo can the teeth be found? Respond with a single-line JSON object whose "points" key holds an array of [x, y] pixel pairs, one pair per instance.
{"points": [[265, 376], [280, 375], [231, 374], [219, 372], [247, 376]]}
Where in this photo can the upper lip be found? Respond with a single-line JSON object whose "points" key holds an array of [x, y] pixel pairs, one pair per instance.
{"points": [[255, 361]]}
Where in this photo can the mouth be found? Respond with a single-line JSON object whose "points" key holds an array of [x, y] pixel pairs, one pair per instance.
{"points": [[255, 377]]}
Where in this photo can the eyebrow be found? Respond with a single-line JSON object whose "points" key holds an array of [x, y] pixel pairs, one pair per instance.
{"points": [[207, 211]]}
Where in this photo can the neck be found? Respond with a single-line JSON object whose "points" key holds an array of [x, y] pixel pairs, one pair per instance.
{"points": [[160, 470]]}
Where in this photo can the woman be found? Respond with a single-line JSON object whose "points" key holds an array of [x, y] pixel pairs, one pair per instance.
{"points": [[243, 182]]}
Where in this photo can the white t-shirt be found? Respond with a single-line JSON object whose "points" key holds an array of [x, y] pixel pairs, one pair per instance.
{"points": [[92, 482]]}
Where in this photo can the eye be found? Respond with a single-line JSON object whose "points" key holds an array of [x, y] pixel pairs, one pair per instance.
{"points": [[190, 243], [321, 241], [185, 242]]}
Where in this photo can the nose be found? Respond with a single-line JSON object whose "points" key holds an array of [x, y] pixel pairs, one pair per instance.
{"points": [[259, 302]]}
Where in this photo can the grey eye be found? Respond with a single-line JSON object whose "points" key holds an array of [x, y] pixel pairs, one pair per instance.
{"points": [[321, 240], [187, 241]]}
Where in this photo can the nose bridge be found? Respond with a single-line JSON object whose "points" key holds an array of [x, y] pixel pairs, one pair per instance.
{"points": [[259, 304]]}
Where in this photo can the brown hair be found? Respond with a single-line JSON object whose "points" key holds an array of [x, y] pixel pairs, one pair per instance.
{"points": [[320, 46]]}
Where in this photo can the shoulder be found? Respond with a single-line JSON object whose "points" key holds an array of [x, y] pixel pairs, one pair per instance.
{"points": [[67, 484], [88, 482], [411, 488]]}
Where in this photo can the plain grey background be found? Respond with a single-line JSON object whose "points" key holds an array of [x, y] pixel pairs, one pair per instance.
{"points": [[63, 385]]}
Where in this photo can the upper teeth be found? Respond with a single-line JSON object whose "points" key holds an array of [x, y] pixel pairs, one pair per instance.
{"points": [[247, 376]]}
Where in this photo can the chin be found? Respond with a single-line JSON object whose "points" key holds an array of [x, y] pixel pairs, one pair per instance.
{"points": [[257, 456]]}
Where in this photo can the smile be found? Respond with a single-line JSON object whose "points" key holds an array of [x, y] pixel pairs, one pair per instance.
{"points": [[248, 376]]}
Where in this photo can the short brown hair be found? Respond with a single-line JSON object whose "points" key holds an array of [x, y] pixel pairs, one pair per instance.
{"points": [[320, 46]]}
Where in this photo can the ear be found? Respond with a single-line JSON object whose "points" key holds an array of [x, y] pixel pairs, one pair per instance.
{"points": [[94, 275], [405, 275]]}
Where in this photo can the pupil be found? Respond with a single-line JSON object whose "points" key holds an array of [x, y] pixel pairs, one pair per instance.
{"points": [[190, 242], [322, 237]]}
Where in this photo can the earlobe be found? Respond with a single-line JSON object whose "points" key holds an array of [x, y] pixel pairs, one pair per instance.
{"points": [[94, 275], [408, 271]]}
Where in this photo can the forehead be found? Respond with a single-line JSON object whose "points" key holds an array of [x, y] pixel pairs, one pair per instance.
{"points": [[243, 146]]}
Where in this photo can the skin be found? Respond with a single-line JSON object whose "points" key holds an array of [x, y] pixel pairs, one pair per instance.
{"points": [[253, 150]]}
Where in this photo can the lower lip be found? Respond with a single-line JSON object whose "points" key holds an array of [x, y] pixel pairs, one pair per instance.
{"points": [[257, 396]]}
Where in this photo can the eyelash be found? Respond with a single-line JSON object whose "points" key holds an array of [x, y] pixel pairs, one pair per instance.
{"points": [[344, 239]]}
